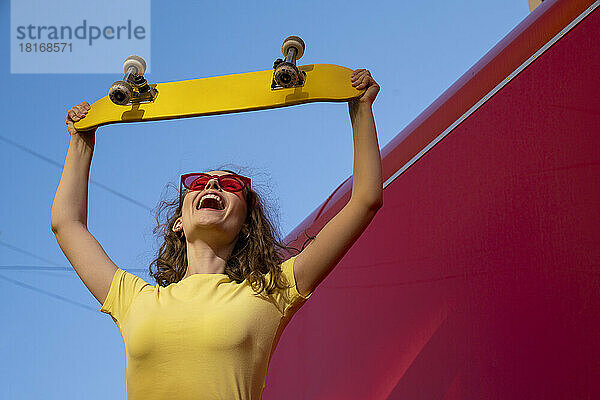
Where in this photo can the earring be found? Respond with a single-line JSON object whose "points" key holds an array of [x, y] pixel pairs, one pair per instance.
{"points": [[178, 232], [247, 233]]}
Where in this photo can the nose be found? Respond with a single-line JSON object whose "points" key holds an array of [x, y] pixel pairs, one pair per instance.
{"points": [[213, 184]]}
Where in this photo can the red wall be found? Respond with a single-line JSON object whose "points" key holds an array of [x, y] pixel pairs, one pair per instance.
{"points": [[480, 276]]}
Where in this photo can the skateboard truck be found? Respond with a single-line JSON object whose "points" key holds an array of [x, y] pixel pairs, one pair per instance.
{"points": [[287, 74], [134, 88]]}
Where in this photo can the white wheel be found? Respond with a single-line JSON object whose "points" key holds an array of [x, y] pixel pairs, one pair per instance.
{"points": [[293, 41], [136, 62]]}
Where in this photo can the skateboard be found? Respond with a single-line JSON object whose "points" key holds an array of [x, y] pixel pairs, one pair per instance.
{"points": [[534, 3], [133, 99]]}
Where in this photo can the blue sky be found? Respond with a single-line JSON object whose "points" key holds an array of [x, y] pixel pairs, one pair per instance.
{"points": [[55, 342]]}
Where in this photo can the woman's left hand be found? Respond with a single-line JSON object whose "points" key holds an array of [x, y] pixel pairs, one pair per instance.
{"points": [[362, 79]]}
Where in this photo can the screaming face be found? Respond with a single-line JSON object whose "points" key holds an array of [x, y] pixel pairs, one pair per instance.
{"points": [[212, 214]]}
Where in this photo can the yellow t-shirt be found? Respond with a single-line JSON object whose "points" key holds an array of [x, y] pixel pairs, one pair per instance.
{"points": [[205, 337]]}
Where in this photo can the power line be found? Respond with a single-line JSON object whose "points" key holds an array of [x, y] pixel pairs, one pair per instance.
{"points": [[57, 269], [28, 253], [61, 166], [33, 268], [48, 293]]}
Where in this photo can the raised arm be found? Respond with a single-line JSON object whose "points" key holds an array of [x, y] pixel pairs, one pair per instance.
{"points": [[69, 211], [319, 258]]}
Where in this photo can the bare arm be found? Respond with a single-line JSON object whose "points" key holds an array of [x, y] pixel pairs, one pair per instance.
{"points": [[70, 201], [319, 258], [367, 186], [69, 212]]}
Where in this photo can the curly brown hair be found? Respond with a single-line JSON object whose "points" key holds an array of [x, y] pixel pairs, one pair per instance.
{"points": [[258, 250]]}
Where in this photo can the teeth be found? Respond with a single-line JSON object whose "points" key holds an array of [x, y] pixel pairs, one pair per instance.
{"points": [[210, 196]]}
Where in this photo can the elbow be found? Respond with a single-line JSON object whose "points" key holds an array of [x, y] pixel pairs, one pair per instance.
{"points": [[57, 224], [60, 219], [62, 226], [55, 221], [372, 205], [379, 204], [375, 202], [54, 226], [376, 205]]}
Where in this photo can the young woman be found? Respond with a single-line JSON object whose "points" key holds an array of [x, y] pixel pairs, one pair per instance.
{"points": [[209, 327]]}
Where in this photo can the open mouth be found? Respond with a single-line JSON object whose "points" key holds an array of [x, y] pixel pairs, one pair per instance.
{"points": [[210, 202]]}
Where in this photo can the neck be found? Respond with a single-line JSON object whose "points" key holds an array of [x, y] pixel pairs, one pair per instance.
{"points": [[207, 258]]}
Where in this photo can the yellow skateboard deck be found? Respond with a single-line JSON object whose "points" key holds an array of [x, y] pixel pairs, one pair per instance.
{"points": [[533, 4], [226, 94]]}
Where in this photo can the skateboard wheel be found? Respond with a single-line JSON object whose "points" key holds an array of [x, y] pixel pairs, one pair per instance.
{"points": [[120, 93], [286, 75], [137, 63], [293, 41]]}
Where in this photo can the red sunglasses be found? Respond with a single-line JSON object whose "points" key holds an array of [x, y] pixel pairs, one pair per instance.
{"points": [[198, 181]]}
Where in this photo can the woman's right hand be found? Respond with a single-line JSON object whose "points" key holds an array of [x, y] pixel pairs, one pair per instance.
{"points": [[75, 114]]}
